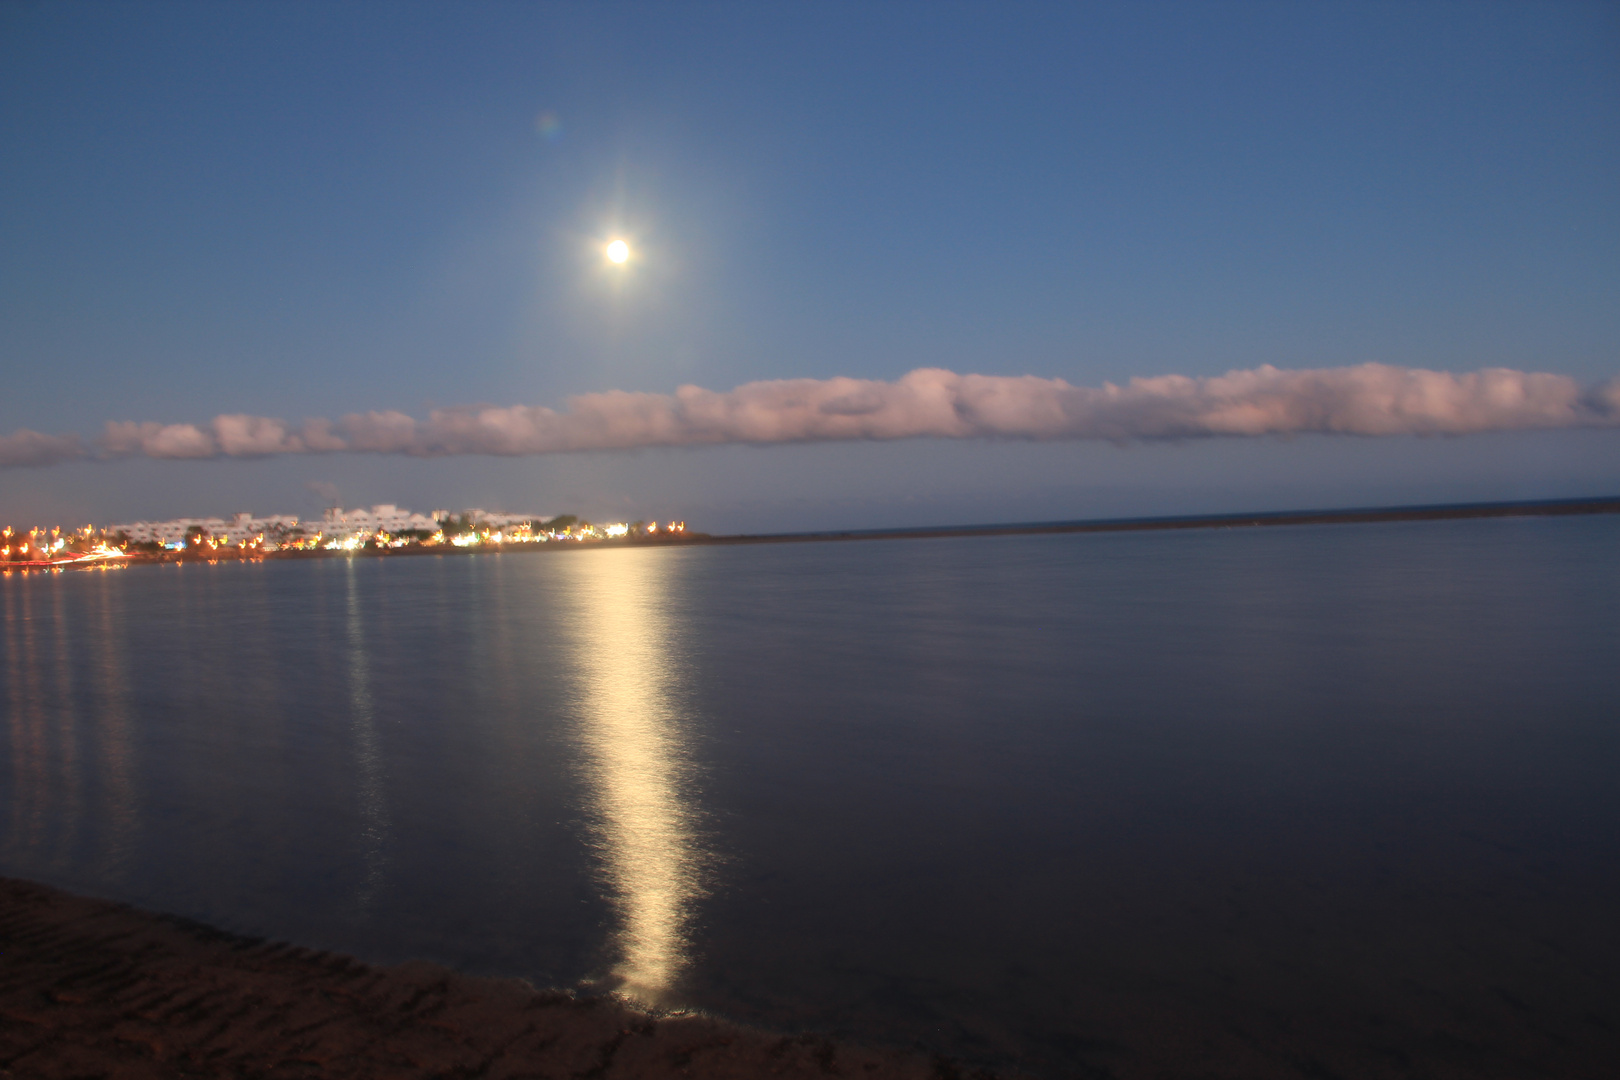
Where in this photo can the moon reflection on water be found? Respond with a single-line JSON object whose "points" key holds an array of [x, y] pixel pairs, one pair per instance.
{"points": [[623, 631]]}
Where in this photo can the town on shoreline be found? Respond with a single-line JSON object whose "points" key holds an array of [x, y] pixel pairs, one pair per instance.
{"points": [[381, 529]]}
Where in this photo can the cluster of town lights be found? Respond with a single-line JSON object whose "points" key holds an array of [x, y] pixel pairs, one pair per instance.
{"points": [[519, 534], [59, 547], [52, 545]]}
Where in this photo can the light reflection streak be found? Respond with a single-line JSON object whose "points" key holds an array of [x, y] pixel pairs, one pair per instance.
{"points": [[66, 728], [27, 723], [15, 731], [374, 825], [630, 728], [113, 734]]}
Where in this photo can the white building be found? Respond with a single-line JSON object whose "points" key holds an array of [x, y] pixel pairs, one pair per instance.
{"points": [[240, 527], [338, 524], [485, 519], [335, 524], [246, 526], [165, 532]]}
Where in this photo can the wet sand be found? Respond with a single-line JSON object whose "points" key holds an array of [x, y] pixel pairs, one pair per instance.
{"points": [[90, 988]]}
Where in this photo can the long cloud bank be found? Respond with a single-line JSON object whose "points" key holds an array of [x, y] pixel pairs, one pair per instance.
{"points": [[1369, 399]]}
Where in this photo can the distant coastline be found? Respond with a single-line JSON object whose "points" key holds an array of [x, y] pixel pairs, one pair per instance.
{"points": [[1357, 516], [1353, 516]]}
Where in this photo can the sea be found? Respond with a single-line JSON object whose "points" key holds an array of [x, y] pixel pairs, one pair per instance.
{"points": [[1318, 800]]}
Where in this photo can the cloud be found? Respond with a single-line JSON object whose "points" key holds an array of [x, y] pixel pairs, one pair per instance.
{"points": [[326, 490], [24, 448], [130, 439], [230, 435], [1366, 400], [1372, 399]]}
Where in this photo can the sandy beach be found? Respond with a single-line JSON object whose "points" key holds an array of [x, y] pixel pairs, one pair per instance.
{"points": [[90, 988]]}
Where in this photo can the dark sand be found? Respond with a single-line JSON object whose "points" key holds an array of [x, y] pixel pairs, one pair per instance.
{"points": [[95, 989]]}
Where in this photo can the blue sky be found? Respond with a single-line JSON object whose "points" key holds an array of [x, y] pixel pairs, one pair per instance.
{"points": [[296, 210]]}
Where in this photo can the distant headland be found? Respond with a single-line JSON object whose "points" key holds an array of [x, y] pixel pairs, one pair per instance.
{"points": [[1361, 515], [387, 531]]}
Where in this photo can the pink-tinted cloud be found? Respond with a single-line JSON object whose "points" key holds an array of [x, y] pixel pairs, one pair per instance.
{"points": [[131, 439], [228, 435], [1372, 399], [1368, 400]]}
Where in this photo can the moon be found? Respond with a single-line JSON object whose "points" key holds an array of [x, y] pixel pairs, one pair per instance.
{"points": [[618, 252]]}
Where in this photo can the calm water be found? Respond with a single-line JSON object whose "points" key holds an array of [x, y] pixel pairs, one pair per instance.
{"points": [[1340, 799]]}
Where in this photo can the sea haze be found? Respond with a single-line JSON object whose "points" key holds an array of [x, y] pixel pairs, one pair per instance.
{"points": [[1260, 801]]}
